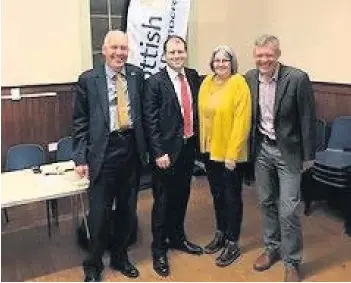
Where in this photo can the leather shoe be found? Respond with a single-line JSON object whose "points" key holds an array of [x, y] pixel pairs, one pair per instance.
{"points": [[187, 247], [292, 274], [92, 277], [266, 260], [230, 253], [160, 265], [216, 244], [125, 267]]}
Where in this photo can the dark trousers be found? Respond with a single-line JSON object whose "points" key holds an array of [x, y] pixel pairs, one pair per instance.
{"points": [[171, 190], [226, 189], [117, 181]]}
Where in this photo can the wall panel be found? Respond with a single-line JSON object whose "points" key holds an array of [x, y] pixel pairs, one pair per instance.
{"points": [[46, 119], [36, 120], [332, 100]]}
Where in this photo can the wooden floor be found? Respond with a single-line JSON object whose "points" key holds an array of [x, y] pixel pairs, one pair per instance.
{"points": [[28, 255]]}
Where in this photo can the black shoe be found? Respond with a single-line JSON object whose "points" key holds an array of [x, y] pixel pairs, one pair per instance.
{"points": [[92, 277], [125, 267], [187, 247], [160, 265], [230, 253], [216, 244], [92, 269]]}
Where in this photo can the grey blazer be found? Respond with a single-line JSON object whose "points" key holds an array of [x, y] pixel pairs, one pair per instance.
{"points": [[294, 115]]}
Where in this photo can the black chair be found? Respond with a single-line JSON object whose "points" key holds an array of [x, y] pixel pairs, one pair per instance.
{"points": [[64, 149], [333, 165], [331, 171], [308, 191], [322, 135], [24, 156]]}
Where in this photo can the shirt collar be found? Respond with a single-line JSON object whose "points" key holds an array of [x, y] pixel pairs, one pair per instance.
{"points": [[173, 74], [274, 77], [111, 73]]}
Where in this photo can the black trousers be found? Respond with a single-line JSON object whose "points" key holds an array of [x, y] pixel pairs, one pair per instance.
{"points": [[226, 189], [171, 190], [117, 182]]}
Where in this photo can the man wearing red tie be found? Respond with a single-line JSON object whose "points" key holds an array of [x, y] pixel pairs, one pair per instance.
{"points": [[170, 124]]}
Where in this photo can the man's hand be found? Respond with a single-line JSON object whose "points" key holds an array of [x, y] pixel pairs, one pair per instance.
{"points": [[163, 162], [307, 164], [82, 171], [230, 165]]}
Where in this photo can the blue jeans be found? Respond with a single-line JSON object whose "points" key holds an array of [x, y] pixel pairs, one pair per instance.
{"points": [[279, 197]]}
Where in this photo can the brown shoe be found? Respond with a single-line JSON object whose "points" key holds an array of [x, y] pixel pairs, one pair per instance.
{"points": [[265, 261], [292, 274]]}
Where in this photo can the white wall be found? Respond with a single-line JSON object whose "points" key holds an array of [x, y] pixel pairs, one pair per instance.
{"points": [[232, 22], [48, 41], [315, 35], [44, 41]]}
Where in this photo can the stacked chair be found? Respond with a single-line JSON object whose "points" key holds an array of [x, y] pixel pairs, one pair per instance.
{"points": [[332, 168], [309, 192]]}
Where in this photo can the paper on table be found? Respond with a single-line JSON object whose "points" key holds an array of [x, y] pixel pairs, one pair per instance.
{"points": [[57, 168]]}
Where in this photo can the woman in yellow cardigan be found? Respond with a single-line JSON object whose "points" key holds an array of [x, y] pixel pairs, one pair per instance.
{"points": [[224, 122]]}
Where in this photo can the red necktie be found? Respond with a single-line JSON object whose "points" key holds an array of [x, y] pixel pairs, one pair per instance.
{"points": [[186, 105]]}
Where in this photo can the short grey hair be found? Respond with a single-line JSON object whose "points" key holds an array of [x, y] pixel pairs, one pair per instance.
{"points": [[264, 39], [231, 55], [113, 33]]}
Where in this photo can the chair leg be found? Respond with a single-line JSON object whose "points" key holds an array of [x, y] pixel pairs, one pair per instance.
{"points": [[54, 210], [6, 215], [308, 210], [48, 216], [85, 221], [347, 213]]}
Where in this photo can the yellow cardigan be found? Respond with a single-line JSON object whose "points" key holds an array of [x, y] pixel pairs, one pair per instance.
{"points": [[231, 121]]}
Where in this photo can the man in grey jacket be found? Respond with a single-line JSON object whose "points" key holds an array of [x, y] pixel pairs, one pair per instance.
{"points": [[282, 143]]}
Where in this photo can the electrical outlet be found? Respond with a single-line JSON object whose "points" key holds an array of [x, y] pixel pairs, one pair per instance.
{"points": [[15, 94], [52, 146]]}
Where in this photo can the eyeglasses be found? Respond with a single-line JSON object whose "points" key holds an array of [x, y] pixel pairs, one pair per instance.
{"points": [[217, 61]]}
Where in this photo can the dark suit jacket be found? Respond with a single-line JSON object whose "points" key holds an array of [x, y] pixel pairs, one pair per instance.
{"points": [[91, 117], [163, 120], [294, 115]]}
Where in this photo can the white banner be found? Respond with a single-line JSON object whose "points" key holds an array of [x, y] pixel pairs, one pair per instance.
{"points": [[149, 24]]}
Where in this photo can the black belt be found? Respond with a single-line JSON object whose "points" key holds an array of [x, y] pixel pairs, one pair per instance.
{"points": [[267, 140], [187, 140], [125, 132]]}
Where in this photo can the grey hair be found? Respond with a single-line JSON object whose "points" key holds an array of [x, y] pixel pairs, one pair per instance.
{"points": [[112, 33], [267, 38], [231, 55]]}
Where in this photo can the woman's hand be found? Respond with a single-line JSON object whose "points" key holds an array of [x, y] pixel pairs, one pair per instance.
{"points": [[230, 165]]}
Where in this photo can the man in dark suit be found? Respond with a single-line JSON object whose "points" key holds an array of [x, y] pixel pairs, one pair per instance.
{"points": [[282, 142], [109, 149], [170, 121]]}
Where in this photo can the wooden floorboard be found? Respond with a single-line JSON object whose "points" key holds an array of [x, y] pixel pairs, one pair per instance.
{"points": [[27, 254]]}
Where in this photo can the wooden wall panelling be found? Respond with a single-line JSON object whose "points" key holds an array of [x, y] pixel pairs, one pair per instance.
{"points": [[46, 119], [333, 100], [36, 120]]}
